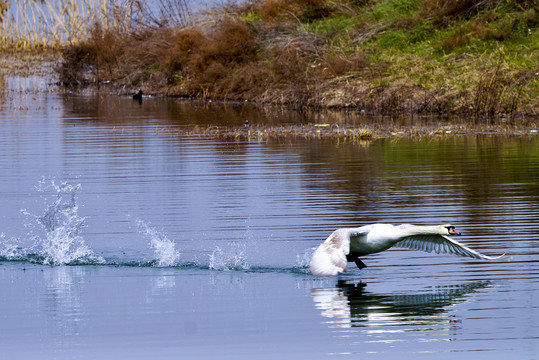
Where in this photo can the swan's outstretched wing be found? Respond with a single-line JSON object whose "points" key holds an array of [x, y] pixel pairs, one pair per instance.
{"points": [[441, 244], [330, 257]]}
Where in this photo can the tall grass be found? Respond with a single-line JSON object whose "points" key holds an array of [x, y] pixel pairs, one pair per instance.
{"points": [[42, 24]]}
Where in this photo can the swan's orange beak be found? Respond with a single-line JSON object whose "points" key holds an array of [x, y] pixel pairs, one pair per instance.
{"points": [[452, 231]]}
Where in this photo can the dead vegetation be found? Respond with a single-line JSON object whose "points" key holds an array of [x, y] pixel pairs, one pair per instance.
{"points": [[264, 133], [351, 134], [320, 53]]}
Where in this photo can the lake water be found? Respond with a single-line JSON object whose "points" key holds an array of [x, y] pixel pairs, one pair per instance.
{"points": [[121, 238]]}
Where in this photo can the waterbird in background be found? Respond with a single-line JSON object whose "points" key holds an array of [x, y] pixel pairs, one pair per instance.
{"points": [[347, 245], [138, 96]]}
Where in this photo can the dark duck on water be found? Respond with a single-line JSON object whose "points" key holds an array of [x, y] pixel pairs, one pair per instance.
{"points": [[138, 96]]}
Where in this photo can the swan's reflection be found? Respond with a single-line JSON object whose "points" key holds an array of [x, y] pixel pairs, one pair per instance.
{"points": [[350, 305]]}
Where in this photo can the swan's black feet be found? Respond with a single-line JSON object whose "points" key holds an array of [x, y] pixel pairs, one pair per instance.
{"points": [[360, 264], [353, 258]]}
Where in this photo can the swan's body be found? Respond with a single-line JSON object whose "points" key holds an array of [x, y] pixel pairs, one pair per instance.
{"points": [[346, 245]]}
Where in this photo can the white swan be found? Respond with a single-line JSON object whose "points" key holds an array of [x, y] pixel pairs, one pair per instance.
{"points": [[346, 245]]}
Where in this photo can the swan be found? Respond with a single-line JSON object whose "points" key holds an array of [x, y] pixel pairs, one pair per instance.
{"points": [[348, 244]]}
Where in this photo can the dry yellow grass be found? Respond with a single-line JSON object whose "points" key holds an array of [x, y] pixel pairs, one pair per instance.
{"points": [[50, 24], [353, 134]]}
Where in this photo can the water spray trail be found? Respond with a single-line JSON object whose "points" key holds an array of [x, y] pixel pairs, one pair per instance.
{"points": [[164, 249], [233, 258], [9, 250], [62, 243]]}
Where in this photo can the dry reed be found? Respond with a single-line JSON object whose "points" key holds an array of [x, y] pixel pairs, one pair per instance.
{"points": [[350, 134], [53, 24]]}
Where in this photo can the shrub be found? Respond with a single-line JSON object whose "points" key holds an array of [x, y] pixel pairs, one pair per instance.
{"points": [[93, 60]]}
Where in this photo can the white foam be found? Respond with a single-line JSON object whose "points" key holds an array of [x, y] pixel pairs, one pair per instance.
{"points": [[164, 249], [303, 260], [231, 258], [62, 242]]}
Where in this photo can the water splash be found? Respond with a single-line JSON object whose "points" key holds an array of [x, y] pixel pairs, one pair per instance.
{"points": [[54, 237], [164, 249], [10, 249], [232, 258], [62, 242], [303, 260]]}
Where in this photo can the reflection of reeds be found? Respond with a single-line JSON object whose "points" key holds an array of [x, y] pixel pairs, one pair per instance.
{"points": [[39, 24]]}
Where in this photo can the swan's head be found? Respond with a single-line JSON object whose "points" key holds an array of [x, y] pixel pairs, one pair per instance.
{"points": [[449, 229]]}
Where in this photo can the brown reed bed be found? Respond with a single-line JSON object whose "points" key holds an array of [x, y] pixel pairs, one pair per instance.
{"points": [[39, 25], [466, 58], [42, 25], [348, 133], [262, 133]]}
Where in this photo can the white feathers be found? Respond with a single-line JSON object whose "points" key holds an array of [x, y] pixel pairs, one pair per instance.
{"points": [[441, 244], [328, 262], [330, 258]]}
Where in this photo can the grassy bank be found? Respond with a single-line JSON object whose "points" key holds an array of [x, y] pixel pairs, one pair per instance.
{"points": [[447, 57]]}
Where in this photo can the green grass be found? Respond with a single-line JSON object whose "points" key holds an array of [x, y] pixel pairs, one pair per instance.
{"points": [[368, 52], [251, 17], [339, 23], [508, 38], [390, 10]]}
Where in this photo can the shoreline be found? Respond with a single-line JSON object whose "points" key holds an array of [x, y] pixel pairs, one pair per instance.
{"points": [[378, 58], [447, 59], [371, 126]]}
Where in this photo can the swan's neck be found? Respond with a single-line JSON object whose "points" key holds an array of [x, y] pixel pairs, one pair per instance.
{"points": [[422, 230]]}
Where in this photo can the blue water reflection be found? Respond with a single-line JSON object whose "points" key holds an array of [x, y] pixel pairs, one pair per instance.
{"points": [[122, 237]]}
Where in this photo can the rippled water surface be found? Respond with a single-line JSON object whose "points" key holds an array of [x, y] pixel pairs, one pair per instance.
{"points": [[122, 238]]}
